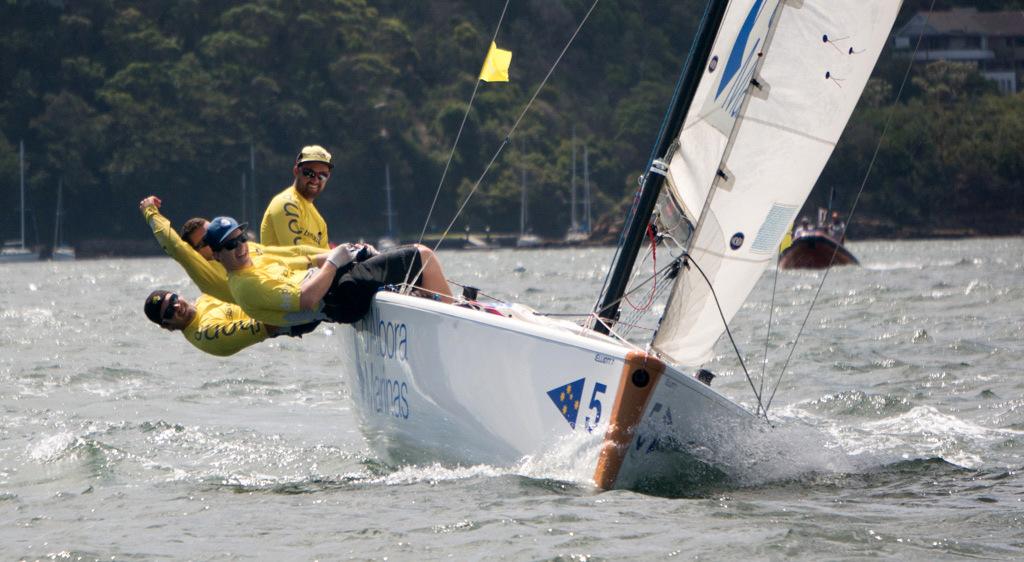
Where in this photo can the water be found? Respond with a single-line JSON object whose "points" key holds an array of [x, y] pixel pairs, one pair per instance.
{"points": [[900, 428]]}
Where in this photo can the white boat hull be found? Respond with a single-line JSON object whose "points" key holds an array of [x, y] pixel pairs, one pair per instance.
{"points": [[63, 253], [17, 255], [436, 382]]}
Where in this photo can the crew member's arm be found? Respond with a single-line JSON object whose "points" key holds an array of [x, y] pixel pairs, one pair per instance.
{"points": [[209, 276], [300, 250], [296, 257], [314, 287]]}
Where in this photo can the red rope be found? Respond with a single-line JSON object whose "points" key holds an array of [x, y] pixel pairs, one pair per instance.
{"points": [[654, 277]]}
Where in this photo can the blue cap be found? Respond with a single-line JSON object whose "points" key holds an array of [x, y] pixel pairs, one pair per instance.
{"points": [[219, 230]]}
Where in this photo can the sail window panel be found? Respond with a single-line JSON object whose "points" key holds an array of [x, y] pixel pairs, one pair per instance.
{"points": [[774, 227]]}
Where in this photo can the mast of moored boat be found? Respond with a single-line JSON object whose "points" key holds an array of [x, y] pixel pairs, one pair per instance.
{"points": [[21, 168], [636, 225], [57, 215], [387, 196], [574, 224], [522, 203], [586, 192]]}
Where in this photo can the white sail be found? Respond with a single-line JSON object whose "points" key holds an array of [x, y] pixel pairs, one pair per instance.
{"points": [[782, 81]]}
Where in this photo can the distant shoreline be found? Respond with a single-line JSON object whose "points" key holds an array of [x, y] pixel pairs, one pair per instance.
{"points": [[104, 248]]}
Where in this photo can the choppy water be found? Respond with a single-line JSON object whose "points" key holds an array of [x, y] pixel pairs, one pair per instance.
{"points": [[901, 428]]}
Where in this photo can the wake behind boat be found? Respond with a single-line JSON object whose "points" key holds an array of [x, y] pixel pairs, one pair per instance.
{"points": [[760, 105]]}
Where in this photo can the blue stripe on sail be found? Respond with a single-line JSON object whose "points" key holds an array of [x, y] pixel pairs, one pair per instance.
{"points": [[739, 48], [772, 229], [735, 96]]}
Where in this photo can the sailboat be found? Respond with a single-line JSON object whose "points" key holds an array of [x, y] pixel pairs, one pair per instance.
{"points": [[15, 250], [61, 251], [577, 232], [819, 246], [389, 240], [763, 98]]}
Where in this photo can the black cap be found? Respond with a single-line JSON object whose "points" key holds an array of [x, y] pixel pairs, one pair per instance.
{"points": [[154, 302]]}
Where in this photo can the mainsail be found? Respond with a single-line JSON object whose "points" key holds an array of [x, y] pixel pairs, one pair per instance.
{"points": [[780, 84]]}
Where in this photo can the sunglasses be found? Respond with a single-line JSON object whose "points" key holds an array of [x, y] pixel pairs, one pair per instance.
{"points": [[311, 174], [200, 245], [233, 243], [169, 311]]}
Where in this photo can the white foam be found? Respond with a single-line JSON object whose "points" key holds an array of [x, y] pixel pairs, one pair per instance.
{"points": [[52, 447]]}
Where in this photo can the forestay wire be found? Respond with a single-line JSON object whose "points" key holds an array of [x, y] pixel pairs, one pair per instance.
{"points": [[853, 208], [462, 126], [650, 161], [508, 135]]}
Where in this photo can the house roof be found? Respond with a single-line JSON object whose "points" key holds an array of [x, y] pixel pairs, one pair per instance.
{"points": [[965, 21]]}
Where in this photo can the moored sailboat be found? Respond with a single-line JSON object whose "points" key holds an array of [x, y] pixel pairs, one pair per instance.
{"points": [[755, 117], [526, 238], [15, 250], [61, 251]]}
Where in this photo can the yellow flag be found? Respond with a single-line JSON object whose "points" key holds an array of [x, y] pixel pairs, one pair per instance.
{"points": [[787, 240], [496, 65]]}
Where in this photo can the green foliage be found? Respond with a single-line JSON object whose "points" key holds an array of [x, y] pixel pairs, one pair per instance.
{"points": [[122, 98]]}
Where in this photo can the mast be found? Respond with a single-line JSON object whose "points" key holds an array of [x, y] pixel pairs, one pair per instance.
{"points": [[636, 226], [574, 224], [56, 219], [522, 204], [387, 197], [586, 191], [21, 168]]}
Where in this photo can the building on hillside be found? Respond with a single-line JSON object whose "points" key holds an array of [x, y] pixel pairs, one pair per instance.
{"points": [[994, 41]]}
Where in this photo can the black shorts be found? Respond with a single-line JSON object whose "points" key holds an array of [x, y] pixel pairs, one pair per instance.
{"points": [[354, 285]]}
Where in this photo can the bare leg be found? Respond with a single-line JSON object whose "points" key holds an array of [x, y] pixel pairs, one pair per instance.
{"points": [[432, 277]]}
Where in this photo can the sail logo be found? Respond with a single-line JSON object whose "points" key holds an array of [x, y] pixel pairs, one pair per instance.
{"points": [[739, 66], [567, 400]]}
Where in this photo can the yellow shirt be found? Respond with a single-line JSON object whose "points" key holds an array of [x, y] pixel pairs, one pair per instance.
{"points": [[208, 275], [292, 219], [221, 328], [269, 289]]}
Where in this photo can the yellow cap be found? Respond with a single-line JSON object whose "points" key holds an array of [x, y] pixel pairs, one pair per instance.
{"points": [[314, 153]]}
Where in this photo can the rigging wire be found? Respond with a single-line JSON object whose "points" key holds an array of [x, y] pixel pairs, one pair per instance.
{"points": [[654, 266], [633, 318], [771, 311], [462, 126], [522, 114], [856, 200], [650, 162], [728, 332]]}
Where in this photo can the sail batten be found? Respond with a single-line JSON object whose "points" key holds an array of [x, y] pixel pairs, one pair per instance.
{"points": [[779, 86]]}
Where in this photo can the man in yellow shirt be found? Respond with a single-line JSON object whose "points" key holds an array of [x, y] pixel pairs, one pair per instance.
{"points": [[291, 219], [340, 290], [192, 254], [213, 326]]}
